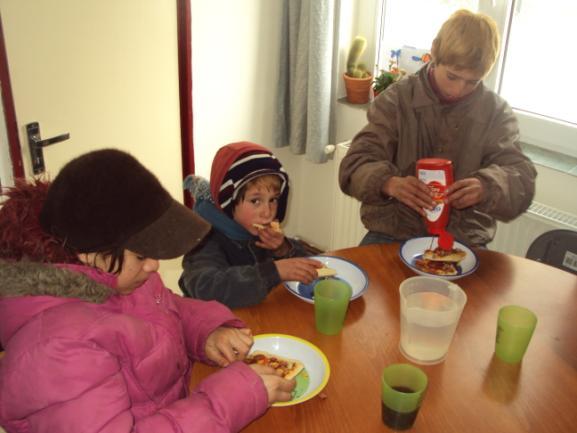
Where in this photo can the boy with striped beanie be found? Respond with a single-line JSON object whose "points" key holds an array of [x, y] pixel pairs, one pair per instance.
{"points": [[246, 254]]}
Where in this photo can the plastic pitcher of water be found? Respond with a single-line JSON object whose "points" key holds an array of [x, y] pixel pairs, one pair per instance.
{"points": [[430, 311]]}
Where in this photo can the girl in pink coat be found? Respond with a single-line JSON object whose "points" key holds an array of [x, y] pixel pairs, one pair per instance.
{"points": [[93, 340]]}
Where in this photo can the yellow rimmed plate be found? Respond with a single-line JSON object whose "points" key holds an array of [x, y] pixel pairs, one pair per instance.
{"points": [[314, 376]]}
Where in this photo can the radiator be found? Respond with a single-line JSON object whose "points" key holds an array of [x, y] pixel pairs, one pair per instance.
{"points": [[347, 229], [516, 236], [511, 238]]}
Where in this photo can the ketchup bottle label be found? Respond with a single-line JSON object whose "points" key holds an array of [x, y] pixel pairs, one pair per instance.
{"points": [[436, 180]]}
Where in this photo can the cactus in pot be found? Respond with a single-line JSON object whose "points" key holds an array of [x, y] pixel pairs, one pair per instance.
{"points": [[354, 68], [357, 78]]}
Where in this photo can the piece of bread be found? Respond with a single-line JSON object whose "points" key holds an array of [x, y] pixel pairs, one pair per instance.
{"points": [[454, 255], [274, 225], [326, 272], [287, 367]]}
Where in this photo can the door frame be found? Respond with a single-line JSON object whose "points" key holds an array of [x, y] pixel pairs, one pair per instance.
{"points": [[9, 111], [185, 96], [185, 90]]}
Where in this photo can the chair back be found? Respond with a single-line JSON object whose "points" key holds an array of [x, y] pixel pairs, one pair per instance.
{"points": [[557, 248]]}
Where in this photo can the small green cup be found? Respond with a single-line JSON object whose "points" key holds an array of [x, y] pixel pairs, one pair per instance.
{"points": [[515, 327], [403, 388], [332, 298]]}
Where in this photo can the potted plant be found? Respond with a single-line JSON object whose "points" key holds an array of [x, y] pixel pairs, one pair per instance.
{"points": [[386, 78], [357, 78], [383, 80]]}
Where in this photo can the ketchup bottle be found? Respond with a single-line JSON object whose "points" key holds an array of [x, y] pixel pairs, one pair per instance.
{"points": [[437, 174]]}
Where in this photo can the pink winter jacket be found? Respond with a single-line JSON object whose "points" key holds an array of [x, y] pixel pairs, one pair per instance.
{"points": [[81, 359]]}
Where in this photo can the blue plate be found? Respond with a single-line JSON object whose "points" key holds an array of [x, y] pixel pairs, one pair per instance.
{"points": [[307, 290], [346, 271]]}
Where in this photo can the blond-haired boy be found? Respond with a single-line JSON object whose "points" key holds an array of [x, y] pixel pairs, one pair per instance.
{"points": [[246, 254], [443, 111]]}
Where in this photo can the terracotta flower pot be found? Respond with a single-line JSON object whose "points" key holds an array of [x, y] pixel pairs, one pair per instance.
{"points": [[358, 89]]}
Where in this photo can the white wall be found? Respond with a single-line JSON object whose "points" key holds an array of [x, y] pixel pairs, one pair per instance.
{"points": [[556, 189], [235, 65], [235, 56], [104, 70]]}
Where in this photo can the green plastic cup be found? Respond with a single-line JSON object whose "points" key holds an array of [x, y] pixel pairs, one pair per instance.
{"points": [[332, 298], [403, 388], [515, 327]]}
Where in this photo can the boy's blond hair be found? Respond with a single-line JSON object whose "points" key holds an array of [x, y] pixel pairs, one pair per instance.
{"points": [[467, 40]]}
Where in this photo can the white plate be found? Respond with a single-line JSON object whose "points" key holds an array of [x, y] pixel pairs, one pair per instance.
{"points": [[317, 369], [413, 249], [346, 270]]}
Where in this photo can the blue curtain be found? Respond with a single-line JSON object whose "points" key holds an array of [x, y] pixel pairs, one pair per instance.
{"points": [[305, 77]]}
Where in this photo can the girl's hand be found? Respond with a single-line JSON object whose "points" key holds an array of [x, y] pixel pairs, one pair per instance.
{"points": [[225, 345], [277, 388], [298, 269]]}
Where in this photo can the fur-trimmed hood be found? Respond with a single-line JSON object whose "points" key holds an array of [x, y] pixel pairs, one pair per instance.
{"points": [[29, 288], [65, 281]]}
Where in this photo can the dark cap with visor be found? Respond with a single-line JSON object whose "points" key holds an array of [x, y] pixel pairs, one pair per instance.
{"points": [[106, 199]]}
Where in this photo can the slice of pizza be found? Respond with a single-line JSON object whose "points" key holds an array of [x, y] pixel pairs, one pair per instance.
{"points": [[288, 368], [437, 267], [454, 255]]}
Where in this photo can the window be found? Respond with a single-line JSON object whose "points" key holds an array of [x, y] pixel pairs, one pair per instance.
{"points": [[414, 23], [535, 70]]}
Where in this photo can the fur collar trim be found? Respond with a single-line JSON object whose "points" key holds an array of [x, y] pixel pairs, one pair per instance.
{"points": [[38, 279]]}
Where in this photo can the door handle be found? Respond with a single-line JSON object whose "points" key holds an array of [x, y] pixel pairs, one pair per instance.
{"points": [[36, 144]]}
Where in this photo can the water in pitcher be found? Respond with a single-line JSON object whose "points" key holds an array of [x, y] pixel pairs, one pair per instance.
{"points": [[427, 326]]}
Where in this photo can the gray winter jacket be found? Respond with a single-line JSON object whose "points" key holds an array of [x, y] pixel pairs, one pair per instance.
{"points": [[236, 273]]}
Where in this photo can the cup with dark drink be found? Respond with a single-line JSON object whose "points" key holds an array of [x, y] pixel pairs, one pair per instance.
{"points": [[403, 388]]}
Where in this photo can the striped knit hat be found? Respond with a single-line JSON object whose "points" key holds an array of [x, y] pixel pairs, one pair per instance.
{"points": [[236, 164]]}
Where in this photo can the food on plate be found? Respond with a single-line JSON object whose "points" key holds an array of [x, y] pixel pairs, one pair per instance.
{"points": [[441, 255], [440, 262], [437, 268], [275, 225], [288, 368], [326, 272]]}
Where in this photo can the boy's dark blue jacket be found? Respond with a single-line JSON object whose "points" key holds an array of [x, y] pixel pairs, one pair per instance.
{"points": [[234, 272]]}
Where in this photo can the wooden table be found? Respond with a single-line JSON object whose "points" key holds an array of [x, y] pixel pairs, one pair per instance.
{"points": [[471, 391]]}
